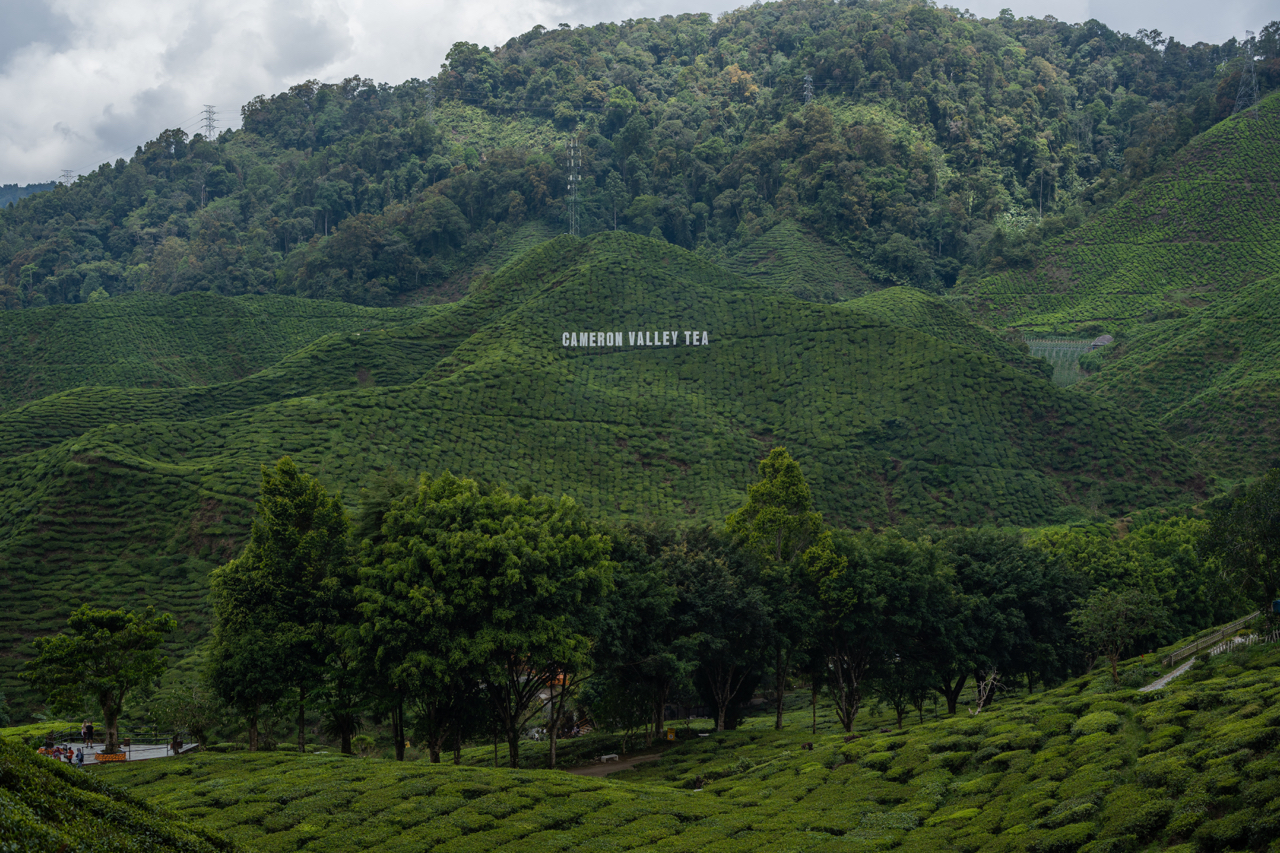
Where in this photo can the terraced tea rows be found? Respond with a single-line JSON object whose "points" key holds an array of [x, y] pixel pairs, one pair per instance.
{"points": [[149, 340], [1201, 230], [794, 260], [1090, 763], [1063, 354], [1212, 379]]}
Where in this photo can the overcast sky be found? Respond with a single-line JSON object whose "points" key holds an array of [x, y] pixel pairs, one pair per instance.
{"points": [[83, 82]]}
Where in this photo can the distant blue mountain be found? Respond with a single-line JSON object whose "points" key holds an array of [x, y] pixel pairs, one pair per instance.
{"points": [[10, 193]]}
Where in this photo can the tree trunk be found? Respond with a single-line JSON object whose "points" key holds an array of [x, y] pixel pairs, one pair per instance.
{"points": [[253, 728], [813, 701], [346, 742], [302, 719], [111, 721], [513, 747], [397, 727], [780, 685], [720, 712], [457, 744], [952, 694]]}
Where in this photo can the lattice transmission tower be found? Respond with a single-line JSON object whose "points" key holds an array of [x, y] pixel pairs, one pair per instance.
{"points": [[68, 177], [808, 88], [210, 121], [1247, 94], [575, 178]]}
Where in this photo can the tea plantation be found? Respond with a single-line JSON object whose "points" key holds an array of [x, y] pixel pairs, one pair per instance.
{"points": [[1195, 233], [48, 807], [148, 340], [1089, 766], [128, 496], [1211, 379]]}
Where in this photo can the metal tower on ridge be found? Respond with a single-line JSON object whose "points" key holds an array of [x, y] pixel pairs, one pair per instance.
{"points": [[210, 121], [68, 177], [575, 178], [1247, 94]]}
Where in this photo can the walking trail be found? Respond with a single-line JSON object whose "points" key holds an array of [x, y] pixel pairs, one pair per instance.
{"points": [[1165, 679], [613, 766]]}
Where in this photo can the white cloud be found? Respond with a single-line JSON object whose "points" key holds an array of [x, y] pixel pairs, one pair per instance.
{"points": [[83, 82]]}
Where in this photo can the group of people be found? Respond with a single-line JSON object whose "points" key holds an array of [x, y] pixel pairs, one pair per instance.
{"points": [[64, 752]]}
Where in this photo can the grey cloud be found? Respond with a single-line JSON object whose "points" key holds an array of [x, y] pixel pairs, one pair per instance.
{"points": [[23, 22], [302, 43]]}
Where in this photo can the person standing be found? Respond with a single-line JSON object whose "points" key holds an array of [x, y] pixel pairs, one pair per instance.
{"points": [[80, 758], [83, 727], [88, 735]]}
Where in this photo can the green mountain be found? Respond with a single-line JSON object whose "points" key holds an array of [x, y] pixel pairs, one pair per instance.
{"points": [[895, 133], [47, 807], [1195, 233], [1212, 379], [153, 486], [1089, 766], [791, 258]]}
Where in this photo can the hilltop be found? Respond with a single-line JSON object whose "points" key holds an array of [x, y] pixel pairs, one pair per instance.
{"points": [[153, 486], [1193, 234], [1090, 765]]}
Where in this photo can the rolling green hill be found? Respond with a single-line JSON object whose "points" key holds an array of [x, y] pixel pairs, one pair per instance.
{"points": [[154, 486], [1090, 766], [789, 257], [906, 306], [48, 807], [1212, 379], [1195, 233], [148, 340]]}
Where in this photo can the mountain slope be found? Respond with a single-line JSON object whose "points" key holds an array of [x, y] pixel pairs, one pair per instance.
{"points": [[1212, 379], [148, 340], [790, 258], [156, 485], [1197, 232]]}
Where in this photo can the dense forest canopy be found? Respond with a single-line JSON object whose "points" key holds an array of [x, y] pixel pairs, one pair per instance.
{"points": [[921, 140]]}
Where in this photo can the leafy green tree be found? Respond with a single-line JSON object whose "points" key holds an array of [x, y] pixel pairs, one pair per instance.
{"points": [[467, 582], [1112, 622], [639, 655], [288, 590], [724, 616], [190, 706], [108, 656], [1245, 536], [247, 673], [779, 524], [1009, 611], [876, 594]]}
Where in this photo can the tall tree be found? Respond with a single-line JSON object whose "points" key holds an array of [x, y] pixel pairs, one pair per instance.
{"points": [[488, 583], [291, 584], [1112, 622], [1245, 536], [106, 657], [779, 524]]}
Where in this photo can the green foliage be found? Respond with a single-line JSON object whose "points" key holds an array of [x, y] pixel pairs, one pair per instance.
{"points": [[1112, 622], [1245, 534], [1209, 378], [931, 146], [106, 657]]}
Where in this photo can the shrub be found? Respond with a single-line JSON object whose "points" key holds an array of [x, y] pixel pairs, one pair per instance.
{"points": [[1099, 721], [1066, 839]]}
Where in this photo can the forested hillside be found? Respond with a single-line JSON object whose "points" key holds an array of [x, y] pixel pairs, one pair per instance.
{"points": [[914, 140]]}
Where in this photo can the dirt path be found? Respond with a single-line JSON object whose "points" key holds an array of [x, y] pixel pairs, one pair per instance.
{"points": [[614, 766]]}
